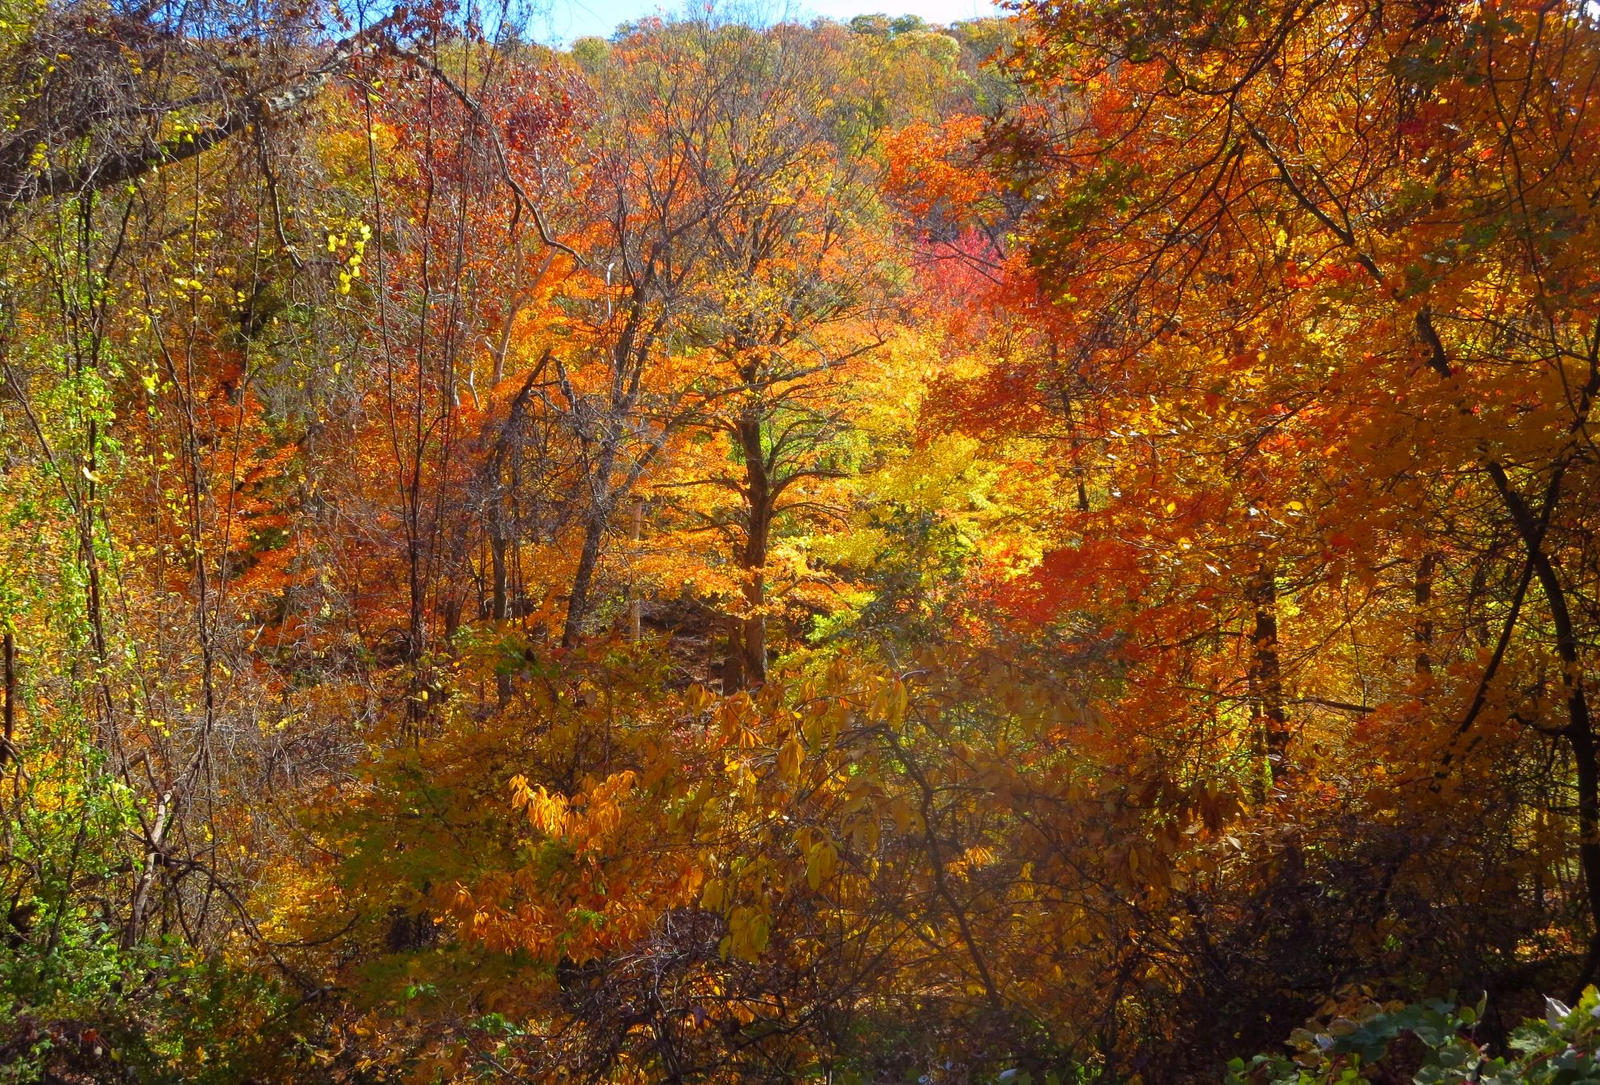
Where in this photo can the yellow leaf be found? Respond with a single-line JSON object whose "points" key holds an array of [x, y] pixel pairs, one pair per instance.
{"points": [[790, 758], [821, 862]]}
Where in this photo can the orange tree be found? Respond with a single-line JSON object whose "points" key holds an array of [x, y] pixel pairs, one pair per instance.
{"points": [[729, 267], [1319, 326], [854, 870]]}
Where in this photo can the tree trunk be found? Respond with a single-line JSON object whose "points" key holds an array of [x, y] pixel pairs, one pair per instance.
{"points": [[1423, 594], [7, 747], [499, 603], [1266, 678], [578, 602], [635, 601], [594, 533], [747, 635], [753, 629]]}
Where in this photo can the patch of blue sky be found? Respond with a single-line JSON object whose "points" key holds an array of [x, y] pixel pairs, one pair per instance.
{"points": [[560, 22]]}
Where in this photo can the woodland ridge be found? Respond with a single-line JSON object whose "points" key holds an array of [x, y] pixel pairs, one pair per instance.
{"points": [[1061, 548]]}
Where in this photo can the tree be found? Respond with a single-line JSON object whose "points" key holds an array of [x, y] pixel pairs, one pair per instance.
{"points": [[1332, 298], [717, 283], [101, 95]]}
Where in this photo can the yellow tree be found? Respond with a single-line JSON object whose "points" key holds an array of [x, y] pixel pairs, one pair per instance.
{"points": [[726, 278]]}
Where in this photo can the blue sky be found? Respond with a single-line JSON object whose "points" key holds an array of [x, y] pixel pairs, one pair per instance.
{"points": [[569, 19]]}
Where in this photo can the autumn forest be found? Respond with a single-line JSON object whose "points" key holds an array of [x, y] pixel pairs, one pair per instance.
{"points": [[1060, 548]]}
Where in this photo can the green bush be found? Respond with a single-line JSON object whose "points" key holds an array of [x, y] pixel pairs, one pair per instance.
{"points": [[1432, 1043]]}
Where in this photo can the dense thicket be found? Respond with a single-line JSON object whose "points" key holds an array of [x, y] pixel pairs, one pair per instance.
{"points": [[1039, 549]]}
